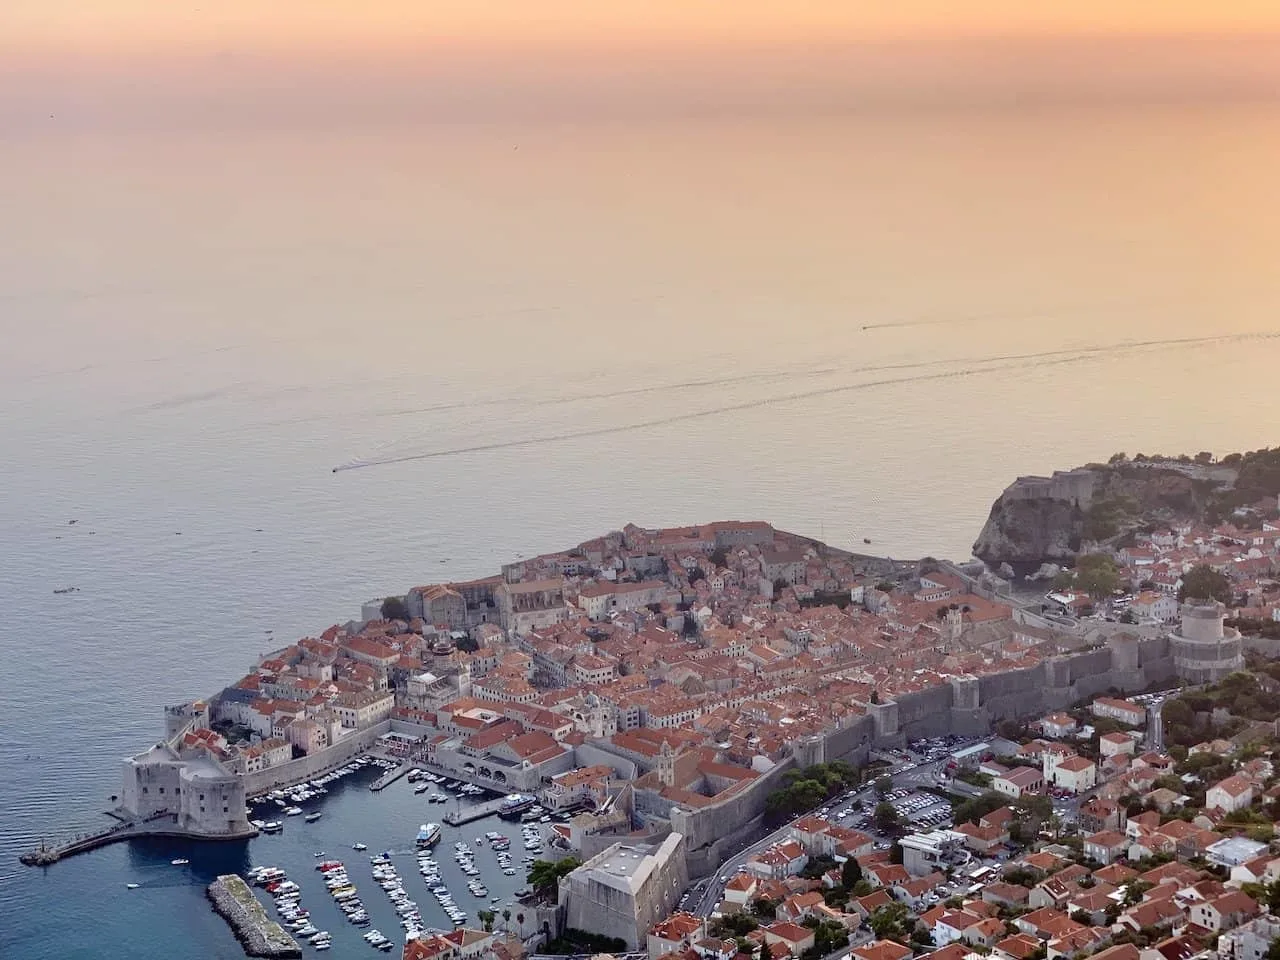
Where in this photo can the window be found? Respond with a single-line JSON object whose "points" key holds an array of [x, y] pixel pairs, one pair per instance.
{"points": [[202, 808], [226, 809], [202, 796], [144, 789], [162, 789]]}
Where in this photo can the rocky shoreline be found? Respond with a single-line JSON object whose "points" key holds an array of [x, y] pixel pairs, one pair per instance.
{"points": [[258, 933]]}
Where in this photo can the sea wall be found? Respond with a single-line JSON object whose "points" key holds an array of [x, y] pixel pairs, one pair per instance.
{"points": [[314, 764], [258, 933]]}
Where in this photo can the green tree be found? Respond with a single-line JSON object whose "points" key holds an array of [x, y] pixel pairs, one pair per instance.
{"points": [[850, 874], [888, 922], [884, 786], [393, 608], [1205, 583], [922, 936], [732, 925], [764, 908], [486, 917], [1097, 575], [1134, 890], [1064, 580], [467, 644], [886, 816], [544, 875]]}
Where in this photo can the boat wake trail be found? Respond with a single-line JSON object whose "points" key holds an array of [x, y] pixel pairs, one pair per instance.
{"points": [[1027, 315], [977, 367]]}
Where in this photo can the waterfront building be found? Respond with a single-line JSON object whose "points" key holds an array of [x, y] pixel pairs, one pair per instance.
{"points": [[365, 708]]}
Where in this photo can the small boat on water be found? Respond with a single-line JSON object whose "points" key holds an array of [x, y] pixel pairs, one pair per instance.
{"points": [[180, 862], [313, 817], [131, 886], [428, 835], [62, 590], [292, 811], [359, 846], [272, 826]]}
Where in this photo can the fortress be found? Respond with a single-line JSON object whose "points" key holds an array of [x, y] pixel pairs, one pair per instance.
{"points": [[1201, 651]]}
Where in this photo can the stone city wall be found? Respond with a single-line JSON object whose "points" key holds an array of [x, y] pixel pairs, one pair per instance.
{"points": [[606, 910], [314, 764], [589, 755], [926, 713], [705, 825]]}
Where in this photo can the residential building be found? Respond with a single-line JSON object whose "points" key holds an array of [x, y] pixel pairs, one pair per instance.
{"points": [[1076, 774], [1017, 781], [1229, 795], [1123, 711]]}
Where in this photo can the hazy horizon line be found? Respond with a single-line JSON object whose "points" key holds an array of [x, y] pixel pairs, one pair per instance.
{"points": [[988, 70]]}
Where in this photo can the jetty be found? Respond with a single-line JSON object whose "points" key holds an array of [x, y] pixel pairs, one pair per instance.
{"points": [[390, 777], [154, 826], [457, 818], [258, 933]]}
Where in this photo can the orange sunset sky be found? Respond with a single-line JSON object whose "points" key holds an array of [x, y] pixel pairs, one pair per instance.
{"points": [[469, 57], [93, 25]]}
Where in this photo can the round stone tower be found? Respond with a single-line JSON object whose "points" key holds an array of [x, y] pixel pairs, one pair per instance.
{"points": [[1204, 650]]}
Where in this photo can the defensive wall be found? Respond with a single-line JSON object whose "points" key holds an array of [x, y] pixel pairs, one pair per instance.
{"points": [[626, 889], [314, 764], [1073, 486], [589, 755], [710, 832]]}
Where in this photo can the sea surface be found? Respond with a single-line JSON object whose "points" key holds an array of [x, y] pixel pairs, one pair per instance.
{"points": [[512, 338]]}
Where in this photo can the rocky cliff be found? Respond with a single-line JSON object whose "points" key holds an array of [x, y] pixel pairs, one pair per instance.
{"points": [[1049, 519]]}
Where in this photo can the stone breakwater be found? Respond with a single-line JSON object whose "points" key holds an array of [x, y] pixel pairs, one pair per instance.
{"points": [[258, 933]]}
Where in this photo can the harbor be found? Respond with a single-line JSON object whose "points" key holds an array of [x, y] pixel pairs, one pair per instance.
{"points": [[375, 869]]}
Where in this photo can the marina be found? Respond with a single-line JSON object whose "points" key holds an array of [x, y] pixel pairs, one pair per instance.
{"points": [[429, 873]]}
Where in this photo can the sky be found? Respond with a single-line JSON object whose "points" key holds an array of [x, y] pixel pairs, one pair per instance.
{"points": [[96, 25], [111, 58]]}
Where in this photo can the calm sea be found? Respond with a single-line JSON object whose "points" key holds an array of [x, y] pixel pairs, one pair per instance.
{"points": [[518, 337]]}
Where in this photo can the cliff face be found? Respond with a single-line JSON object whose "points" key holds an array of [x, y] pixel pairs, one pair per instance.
{"points": [[1047, 519], [1027, 532]]}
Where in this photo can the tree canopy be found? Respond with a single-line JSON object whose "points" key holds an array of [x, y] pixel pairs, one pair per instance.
{"points": [[1202, 582], [393, 608], [544, 875], [1097, 575]]}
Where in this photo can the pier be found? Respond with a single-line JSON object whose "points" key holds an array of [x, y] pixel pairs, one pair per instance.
{"points": [[390, 777], [457, 818], [46, 854]]}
